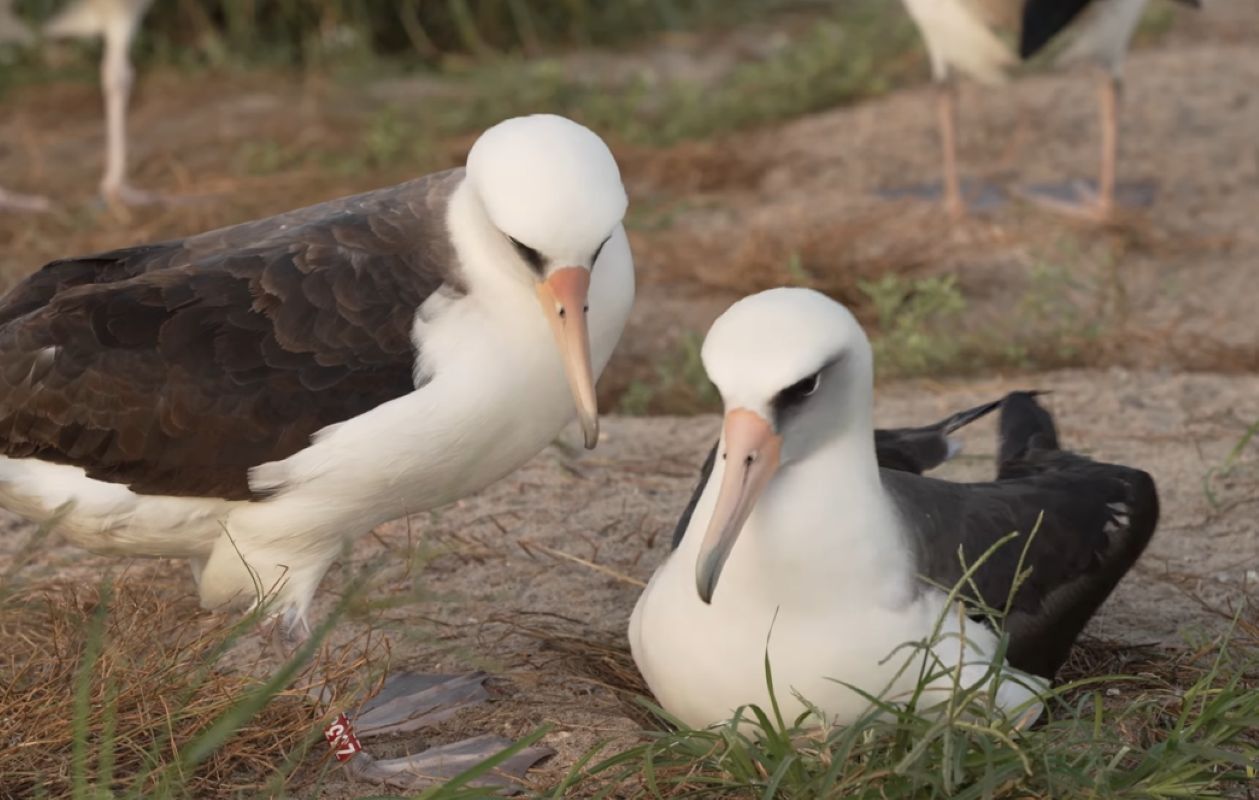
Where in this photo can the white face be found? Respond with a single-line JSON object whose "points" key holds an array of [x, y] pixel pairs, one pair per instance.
{"points": [[552, 189], [794, 369], [550, 185], [794, 357]]}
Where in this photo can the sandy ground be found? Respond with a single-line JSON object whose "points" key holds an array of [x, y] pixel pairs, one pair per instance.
{"points": [[498, 590], [462, 587]]}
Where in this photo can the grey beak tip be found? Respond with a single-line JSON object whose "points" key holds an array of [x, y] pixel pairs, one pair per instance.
{"points": [[705, 591]]}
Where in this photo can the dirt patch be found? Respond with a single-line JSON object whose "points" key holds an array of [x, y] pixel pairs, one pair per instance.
{"points": [[514, 579]]}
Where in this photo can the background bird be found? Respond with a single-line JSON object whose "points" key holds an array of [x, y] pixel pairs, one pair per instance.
{"points": [[803, 551], [115, 22], [966, 36]]}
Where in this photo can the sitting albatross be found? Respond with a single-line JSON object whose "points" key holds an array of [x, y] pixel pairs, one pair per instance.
{"points": [[255, 397], [799, 542]]}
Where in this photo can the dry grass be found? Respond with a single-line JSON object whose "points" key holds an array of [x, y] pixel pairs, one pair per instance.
{"points": [[1158, 678], [807, 249], [108, 685], [571, 648], [1136, 722]]}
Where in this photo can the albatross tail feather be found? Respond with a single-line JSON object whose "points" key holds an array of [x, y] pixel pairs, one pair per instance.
{"points": [[960, 420], [963, 418], [1025, 424], [921, 449]]}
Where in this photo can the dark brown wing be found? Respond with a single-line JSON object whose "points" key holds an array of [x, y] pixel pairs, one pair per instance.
{"points": [[176, 367]]}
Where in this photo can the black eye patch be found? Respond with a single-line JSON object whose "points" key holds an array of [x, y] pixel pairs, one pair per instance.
{"points": [[598, 250], [796, 394], [532, 257]]}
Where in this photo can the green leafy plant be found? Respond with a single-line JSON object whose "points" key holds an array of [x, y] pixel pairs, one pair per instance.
{"points": [[911, 314]]}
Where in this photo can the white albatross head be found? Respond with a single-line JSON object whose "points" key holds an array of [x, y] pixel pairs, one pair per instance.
{"points": [[795, 372], [552, 188]]}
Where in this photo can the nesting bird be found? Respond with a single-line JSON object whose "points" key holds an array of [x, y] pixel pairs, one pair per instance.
{"points": [[801, 549], [965, 36]]}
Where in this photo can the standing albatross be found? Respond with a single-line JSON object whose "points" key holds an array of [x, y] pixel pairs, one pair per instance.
{"points": [[255, 397], [965, 36], [269, 390], [799, 542]]}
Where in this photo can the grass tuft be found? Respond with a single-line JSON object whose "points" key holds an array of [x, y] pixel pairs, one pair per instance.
{"points": [[114, 690], [1116, 736]]}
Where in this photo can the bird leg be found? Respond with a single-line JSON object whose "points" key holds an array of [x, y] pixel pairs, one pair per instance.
{"points": [[117, 78], [946, 108], [288, 633], [1108, 94], [1083, 201], [16, 201], [409, 702]]}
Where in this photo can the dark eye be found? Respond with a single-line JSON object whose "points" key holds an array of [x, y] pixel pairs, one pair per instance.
{"points": [[598, 250], [532, 257], [796, 393]]}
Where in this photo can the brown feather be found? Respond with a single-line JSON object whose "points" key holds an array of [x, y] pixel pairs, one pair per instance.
{"points": [[179, 366]]}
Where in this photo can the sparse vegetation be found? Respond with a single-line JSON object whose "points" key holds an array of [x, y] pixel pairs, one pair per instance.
{"points": [[922, 326], [1188, 740], [315, 32], [1234, 479], [849, 51], [911, 317], [1099, 736], [111, 688], [116, 694], [679, 383]]}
